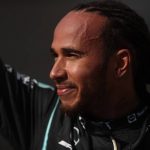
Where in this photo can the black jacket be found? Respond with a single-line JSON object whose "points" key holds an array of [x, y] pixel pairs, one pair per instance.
{"points": [[31, 119]]}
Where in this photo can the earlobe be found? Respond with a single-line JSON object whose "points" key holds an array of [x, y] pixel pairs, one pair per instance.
{"points": [[123, 57]]}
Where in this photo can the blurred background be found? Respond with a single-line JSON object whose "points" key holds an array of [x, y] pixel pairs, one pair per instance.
{"points": [[26, 31]]}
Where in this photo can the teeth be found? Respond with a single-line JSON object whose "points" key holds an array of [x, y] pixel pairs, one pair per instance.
{"points": [[62, 91]]}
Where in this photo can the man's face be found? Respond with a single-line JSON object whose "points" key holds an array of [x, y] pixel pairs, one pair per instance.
{"points": [[79, 72]]}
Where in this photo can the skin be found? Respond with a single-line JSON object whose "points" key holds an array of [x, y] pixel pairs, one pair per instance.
{"points": [[85, 81]]}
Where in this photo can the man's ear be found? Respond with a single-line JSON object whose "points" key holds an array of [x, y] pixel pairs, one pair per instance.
{"points": [[123, 58]]}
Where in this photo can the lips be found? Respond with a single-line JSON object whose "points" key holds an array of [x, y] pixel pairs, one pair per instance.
{"points": [[64, 89]]}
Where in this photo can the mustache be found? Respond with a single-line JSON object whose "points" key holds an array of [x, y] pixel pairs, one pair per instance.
{"points": [[65, 84]]}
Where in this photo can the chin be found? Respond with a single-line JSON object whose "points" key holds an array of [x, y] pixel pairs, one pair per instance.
{"points": [[71, 110]]}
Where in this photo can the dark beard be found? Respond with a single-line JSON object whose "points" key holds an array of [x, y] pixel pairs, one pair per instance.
{"points": [[71, 112], [84, 105]]}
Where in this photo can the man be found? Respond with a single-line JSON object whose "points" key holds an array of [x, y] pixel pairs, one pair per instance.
{"points": [[101, 56]]}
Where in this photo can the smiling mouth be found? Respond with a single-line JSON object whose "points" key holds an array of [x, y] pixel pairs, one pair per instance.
{"points": [[64, 90]]}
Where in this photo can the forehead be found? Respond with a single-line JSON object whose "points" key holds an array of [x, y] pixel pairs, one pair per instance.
{"points": [[87, 22], [79, 30]]}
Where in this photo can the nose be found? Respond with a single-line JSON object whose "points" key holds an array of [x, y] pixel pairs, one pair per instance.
{"points": [[58, 71]]}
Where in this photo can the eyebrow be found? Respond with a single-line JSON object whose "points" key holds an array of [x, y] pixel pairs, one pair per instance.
{"points": [[67, 50]]}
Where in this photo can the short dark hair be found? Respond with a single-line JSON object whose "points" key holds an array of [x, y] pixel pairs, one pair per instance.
{"points": [[125, 29]]}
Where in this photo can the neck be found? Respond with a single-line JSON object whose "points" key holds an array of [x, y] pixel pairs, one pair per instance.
{"points": [[115, 108]]}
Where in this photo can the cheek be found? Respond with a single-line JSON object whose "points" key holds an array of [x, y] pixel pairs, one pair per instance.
{"points": [[77, 69], [83, 72]]}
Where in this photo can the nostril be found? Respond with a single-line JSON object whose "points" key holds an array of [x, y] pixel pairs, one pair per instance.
{"points": [[58, 73], [58, 78]]}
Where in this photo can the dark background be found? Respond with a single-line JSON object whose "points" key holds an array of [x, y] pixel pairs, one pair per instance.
{"points": [[26, 30]]}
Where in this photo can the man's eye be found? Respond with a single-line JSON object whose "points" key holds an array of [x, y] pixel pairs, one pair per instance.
{"points": [[73, 55]]}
